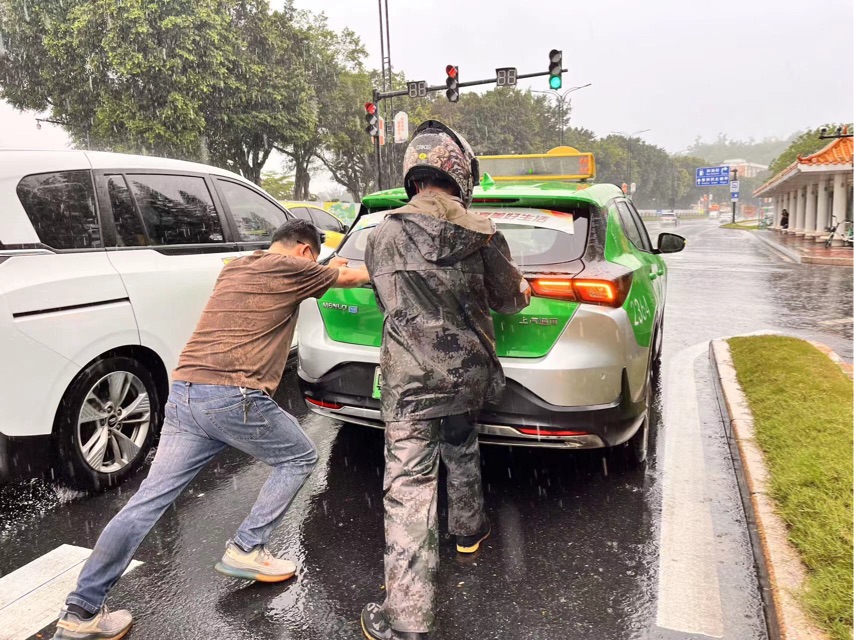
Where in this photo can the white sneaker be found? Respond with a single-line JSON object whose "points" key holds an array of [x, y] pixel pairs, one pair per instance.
{"points": [[259, 564], [105, 625]]}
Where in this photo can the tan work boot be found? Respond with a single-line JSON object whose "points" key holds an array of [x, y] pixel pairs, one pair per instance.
{"points": [[104, 625], [258, 564]]}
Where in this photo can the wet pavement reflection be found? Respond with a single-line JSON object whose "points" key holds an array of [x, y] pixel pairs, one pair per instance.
{"points": [[575, 548]]}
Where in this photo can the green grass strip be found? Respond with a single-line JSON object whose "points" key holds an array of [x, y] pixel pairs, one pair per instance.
{"points": [[802, 407], [738, 225]]}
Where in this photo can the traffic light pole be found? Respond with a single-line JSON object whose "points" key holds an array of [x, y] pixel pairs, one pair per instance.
{"points": [[385, 95], [734, 201], [377, 150]]}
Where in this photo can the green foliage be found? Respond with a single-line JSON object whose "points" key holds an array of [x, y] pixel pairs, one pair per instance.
{"points": [[186, 78], [760, 152], [801, 403], [327, 58], [278, 185], [806, 143]]}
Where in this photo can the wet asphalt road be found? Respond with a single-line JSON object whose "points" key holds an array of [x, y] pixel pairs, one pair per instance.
{"points": [[576, 548]]}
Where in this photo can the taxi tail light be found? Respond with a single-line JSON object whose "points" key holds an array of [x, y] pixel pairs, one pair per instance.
{"points": [[547, 431], [608, 292]]}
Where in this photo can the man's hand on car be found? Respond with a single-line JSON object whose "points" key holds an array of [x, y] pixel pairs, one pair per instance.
{"points": [[337, 263]]}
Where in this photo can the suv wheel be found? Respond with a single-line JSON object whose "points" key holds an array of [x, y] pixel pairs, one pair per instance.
{"points": [[107, 423]]}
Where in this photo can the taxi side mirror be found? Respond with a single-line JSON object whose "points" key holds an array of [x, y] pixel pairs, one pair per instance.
{"points": [[670, 243]]}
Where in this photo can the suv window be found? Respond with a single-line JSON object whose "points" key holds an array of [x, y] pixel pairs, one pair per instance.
{"points": [[301, 213], [629, 226], [176, 209], [256, 217], [61, 206], [325, 221], [129, 229]]}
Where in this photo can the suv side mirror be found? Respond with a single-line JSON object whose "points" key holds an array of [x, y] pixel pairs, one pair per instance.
{"points": [[670, 243]]}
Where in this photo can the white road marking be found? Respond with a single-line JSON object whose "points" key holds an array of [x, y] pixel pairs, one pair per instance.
{"points": [[689, 598], [31, 597]]}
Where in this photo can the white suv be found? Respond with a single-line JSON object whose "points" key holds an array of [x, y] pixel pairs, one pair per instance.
{"points": [[106, 261]]}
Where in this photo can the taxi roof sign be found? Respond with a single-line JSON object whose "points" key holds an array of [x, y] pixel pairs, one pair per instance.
{"points": [[559, 164]]}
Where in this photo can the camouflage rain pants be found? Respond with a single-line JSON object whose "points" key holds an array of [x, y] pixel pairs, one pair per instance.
{"points": [[412, 453]]}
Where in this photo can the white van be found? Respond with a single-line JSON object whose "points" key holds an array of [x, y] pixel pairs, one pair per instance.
{"points": [[106, 261]]}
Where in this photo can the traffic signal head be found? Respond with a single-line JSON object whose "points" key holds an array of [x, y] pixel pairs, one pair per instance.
{"points": [[453, 83], [555, 69], [372, 119]]}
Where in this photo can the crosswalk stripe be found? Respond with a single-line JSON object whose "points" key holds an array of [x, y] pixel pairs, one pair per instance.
{"points": [[31, 597]]}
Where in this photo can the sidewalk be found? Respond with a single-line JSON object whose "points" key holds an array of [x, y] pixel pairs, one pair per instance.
{"points": [[806, 251]]}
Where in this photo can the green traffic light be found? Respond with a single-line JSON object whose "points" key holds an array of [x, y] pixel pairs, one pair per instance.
{"points": [[555, 82]]}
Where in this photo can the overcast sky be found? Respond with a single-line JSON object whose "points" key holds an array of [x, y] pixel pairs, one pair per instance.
{"points": [[681, 68]]}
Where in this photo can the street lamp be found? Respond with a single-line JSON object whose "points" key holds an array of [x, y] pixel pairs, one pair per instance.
{"points": [[561, 99], [629, 145]]}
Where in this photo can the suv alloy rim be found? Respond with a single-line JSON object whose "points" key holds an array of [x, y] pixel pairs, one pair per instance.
{"points": [[113, 422]]}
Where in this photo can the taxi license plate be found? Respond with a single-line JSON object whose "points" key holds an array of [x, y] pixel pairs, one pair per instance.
{"points": [[378, 384]]}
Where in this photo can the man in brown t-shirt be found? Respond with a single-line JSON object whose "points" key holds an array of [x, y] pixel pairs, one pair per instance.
{"points": [[221, 397]]}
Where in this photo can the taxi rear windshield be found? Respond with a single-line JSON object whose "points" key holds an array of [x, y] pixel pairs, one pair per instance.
{"points": [[536, 237]]}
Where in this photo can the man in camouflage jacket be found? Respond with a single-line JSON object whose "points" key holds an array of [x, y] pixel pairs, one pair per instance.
{"points": [[437, 270]]}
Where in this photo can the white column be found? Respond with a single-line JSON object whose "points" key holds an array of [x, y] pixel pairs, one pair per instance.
{"points": [[822, 209], [800, 203], [840, 197], [809, 218], [793, 211], [778, 211]]}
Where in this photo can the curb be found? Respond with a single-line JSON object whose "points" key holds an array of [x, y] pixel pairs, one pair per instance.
{"points": [[802, 259], [781, 571], [789, 253]]}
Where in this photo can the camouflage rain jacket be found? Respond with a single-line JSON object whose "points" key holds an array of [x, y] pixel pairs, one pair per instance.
{"points": [[437, 270]]}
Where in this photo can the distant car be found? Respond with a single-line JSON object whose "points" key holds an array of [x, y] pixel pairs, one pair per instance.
{"points": [[332, 227], [106, 262], [669, 219]]}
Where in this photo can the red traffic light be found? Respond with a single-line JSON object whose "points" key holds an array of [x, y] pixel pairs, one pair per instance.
{"points": [[370, 108], [451, 70]]}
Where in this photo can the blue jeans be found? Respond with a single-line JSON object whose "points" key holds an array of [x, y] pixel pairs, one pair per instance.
{"points": [[200, 421]]}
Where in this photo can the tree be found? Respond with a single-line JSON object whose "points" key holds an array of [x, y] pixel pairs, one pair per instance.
{"points": [[265, 101], [348, 152], [762, 151], [196, 79], [278, 185], [325, 55], [804, 144], [127, 76]]}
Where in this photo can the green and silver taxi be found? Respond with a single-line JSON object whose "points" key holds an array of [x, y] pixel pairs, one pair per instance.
{"points": [[579, 360]]}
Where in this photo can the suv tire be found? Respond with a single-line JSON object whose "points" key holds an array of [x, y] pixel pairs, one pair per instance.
{"points": [[107, 423]]}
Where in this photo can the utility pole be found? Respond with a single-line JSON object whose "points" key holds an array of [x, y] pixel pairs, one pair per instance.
{"points": [[629, 137], [561, 101]]}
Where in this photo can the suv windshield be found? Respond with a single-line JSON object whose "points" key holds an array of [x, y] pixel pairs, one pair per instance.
{"points": [[536, 237]]}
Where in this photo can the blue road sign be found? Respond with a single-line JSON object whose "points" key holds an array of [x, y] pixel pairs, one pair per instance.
{"points": [[734, 195], [711, 176]]}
